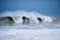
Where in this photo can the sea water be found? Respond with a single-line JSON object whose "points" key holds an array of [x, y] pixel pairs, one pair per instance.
{"points": [[48, 30]]}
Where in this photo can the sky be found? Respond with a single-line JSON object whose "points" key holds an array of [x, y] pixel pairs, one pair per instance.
{"points": [[47, 7]]}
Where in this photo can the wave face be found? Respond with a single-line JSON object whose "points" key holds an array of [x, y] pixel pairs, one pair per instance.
{"points": [[31, 15], [47, 21], [13, 27]]}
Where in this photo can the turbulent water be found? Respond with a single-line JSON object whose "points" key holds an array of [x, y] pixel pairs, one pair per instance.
{"points": [[49, 29], [48, 21]]}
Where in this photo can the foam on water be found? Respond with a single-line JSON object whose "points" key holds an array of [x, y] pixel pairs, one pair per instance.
{"points": [[48, 21], [32, 15], [48, 30]]}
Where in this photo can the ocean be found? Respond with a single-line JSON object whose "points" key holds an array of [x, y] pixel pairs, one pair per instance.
{"points": [[48, 29]]}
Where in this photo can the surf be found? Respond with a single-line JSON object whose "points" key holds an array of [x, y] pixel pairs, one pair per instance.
{"points": [[34, 16]]}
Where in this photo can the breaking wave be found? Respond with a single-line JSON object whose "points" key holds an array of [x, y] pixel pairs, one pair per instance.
{"points": [[31, 15], [47, 21], [47, 29]]}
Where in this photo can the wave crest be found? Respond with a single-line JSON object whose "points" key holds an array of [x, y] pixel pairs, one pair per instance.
{"points": [[17, 16]]}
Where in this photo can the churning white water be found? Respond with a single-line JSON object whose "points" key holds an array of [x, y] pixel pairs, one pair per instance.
{"points": [[48, 29], [47, 21]]}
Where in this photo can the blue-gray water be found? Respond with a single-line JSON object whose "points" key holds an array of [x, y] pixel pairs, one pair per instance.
{"points": [[42, 31], [46, 7]]}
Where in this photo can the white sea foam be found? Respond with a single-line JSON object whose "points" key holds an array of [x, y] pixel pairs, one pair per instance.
{"points": [[48, 21], [32, 15], [45, 31]]}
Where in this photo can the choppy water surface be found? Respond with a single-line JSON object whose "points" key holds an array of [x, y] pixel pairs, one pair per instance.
{"points": [[42, 31]]}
